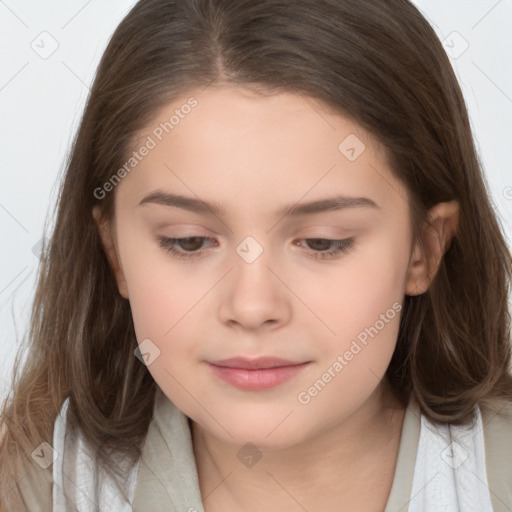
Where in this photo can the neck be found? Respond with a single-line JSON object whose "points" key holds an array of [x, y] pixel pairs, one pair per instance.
{"points": [[356, 458]]}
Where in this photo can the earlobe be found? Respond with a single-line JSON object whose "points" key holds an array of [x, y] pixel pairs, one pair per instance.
{"points": [[437, 238], [417, 277], [109, 245]]}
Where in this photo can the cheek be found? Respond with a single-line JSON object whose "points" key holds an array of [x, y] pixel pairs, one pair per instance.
{"points": [[165, 315], [159, 293], [166, 305], [166, 311], [361, 303], [359, 290]]}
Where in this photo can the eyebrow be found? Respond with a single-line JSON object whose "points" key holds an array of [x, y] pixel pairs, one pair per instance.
{"points": [[294, 210]]}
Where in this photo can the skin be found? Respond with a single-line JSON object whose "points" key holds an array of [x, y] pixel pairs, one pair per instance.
{"points": [[254, 155]]}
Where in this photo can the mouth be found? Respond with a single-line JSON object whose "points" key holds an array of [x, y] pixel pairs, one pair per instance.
{"points": [[259, 363], [256, 374]]}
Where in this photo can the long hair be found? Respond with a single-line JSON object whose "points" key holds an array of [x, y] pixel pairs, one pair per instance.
{"points": [[380, 63]]}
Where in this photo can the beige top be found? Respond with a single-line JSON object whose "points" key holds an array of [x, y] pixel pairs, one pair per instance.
{"points": [[167, 478]]}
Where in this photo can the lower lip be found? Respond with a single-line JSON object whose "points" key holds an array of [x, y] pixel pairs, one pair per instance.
{"points": [[255, 380]]}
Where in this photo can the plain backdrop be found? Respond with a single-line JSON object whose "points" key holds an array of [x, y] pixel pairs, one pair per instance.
{"points": [[50, 51]]}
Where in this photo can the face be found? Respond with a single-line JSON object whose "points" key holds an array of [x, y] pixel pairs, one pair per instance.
{"points": [[258, 273]]}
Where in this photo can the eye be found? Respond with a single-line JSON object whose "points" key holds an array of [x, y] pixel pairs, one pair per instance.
{"points": [[191, 246], [321, 245], [190, 243]]}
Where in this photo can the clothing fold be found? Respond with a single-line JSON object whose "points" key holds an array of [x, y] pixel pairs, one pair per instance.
{"points": [[440, 468]]}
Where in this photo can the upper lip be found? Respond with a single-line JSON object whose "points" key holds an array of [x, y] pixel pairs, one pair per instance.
{"points": [[255, 364]]}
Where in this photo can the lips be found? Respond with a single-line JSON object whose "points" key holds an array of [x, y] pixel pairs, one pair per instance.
{"points": [[260, 363], [256, 374]]}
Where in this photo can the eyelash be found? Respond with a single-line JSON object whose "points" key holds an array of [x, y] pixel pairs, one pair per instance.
{"points": [[342, 246]]}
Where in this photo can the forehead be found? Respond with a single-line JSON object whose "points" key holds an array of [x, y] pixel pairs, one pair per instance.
{"points": [[239, 147]]}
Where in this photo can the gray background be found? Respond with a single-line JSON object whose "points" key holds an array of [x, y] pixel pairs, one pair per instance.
{"points": [[50, 51]]}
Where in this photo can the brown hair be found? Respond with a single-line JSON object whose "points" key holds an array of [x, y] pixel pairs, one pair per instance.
{"points": [[378, 62]]}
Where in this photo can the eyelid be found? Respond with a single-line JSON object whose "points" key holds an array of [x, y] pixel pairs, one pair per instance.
{"points": [[341, 247]]}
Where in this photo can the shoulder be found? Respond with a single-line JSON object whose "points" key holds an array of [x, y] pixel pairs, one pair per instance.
{"points": [[33, 480], [37, 485], [497, 427], [497, 430], [36, 489]]}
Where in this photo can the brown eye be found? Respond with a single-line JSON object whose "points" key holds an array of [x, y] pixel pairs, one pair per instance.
{"points": [[319, 244], [189, 247], [321, 247], [190, 243]]}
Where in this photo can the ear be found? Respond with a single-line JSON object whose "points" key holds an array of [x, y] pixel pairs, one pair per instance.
{"points": [[110, 245], [437, 238]]}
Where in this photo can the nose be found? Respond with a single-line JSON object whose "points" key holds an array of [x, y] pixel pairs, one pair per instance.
{"points": [[253, 296]]}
